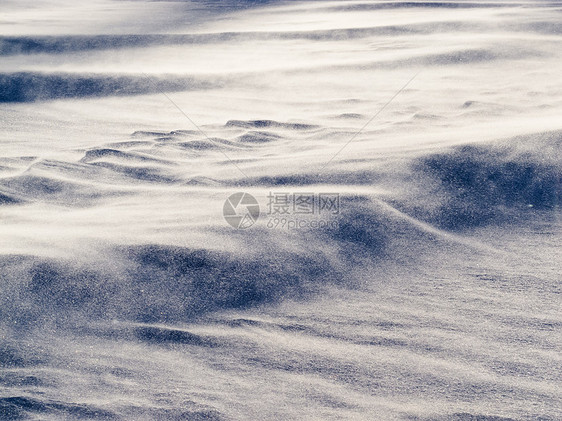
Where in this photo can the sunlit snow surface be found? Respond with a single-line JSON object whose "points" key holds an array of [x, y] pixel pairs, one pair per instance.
{"points": [[434, 292]]}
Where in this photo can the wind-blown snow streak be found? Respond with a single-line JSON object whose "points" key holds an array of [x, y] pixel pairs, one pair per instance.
{"points": [[433, 294]]}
